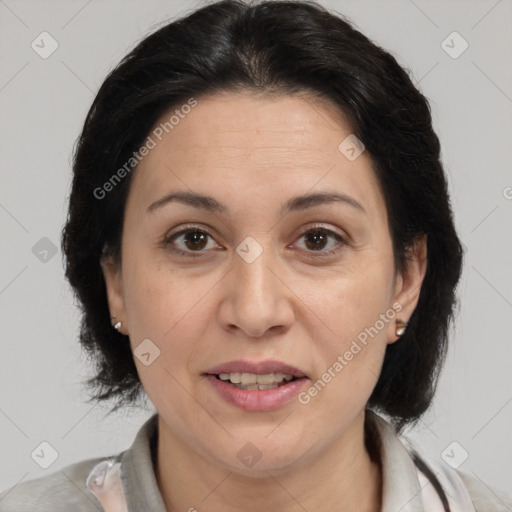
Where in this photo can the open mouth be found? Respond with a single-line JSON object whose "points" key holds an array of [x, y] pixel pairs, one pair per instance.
{"points": [[256, 386], [252, 381]]}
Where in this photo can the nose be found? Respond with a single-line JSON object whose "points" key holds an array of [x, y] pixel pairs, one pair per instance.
{"points": [[257, 300]]}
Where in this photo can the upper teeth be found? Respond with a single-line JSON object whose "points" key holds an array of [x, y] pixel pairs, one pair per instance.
{"points": [[252, 378]]}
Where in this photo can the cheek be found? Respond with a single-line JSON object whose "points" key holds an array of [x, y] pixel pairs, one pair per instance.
{"points": [[351, 338], [169, 314], [170, 308], [158, 297], [353, 300]]}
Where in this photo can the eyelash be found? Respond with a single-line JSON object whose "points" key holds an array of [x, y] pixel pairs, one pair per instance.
{"points": [[310, 254]]}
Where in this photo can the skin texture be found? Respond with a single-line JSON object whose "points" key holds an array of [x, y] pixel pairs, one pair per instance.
{"points": [[253, 153]]}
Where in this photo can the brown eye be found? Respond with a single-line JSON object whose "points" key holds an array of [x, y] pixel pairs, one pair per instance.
{"points": [[320, 239], [189, 241], [195, 239], [316, 239]]}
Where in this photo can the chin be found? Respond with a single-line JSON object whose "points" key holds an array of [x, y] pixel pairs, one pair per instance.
{"points": [[256, 456]]}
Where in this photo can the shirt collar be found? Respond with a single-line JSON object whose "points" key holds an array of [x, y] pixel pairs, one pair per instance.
{"points": [[137, 470], [401, 491]]}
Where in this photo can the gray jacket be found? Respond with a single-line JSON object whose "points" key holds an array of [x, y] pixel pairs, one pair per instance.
{"points": [[405, 488]]}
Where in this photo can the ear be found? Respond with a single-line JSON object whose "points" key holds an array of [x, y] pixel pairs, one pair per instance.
{"points": [[408, 284], [114, 286]]}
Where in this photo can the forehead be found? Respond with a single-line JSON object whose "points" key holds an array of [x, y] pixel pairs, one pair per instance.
{"points": [[244, 143], [243, 122]]}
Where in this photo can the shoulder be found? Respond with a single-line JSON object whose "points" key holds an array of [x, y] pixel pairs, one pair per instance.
{"points": [[464, 491], [61, 490], [485, 498]]}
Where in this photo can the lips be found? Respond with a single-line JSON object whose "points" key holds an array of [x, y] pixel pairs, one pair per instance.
{"points": [[257, 368], [256, 386]]}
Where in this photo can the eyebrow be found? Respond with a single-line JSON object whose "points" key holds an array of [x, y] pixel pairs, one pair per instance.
{"points": [[299, 203]]}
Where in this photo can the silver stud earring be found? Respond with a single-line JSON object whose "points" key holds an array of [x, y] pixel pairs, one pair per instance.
{"points": [[400, 327], [117, 325]]}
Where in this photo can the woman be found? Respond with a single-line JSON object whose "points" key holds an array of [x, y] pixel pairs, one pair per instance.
{"points": [[260, 236]]}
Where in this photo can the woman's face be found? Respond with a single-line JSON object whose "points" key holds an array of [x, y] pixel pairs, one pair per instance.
{"points": [[271, 282]]}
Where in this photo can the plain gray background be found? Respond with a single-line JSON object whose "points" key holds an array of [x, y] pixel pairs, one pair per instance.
{"points": [[43, 103]]}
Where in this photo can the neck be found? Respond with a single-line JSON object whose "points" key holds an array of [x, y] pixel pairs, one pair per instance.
{"points": [[343, 477]]}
